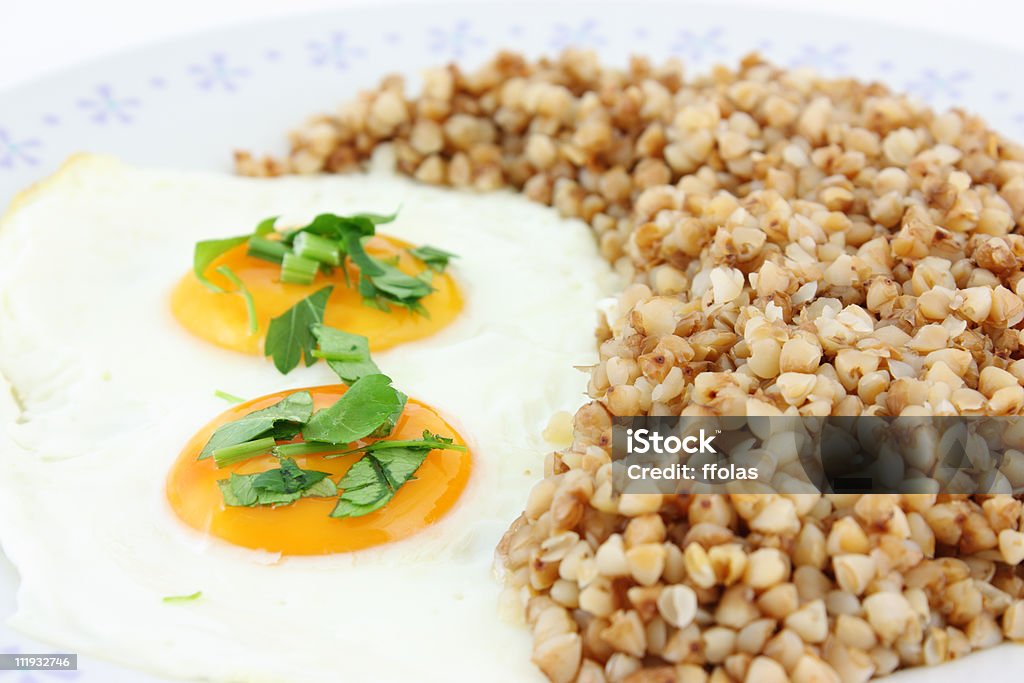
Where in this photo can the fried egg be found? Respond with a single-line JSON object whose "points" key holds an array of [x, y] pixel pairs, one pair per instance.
{"points": [[305, 527], [106, 396], [225, 321]]}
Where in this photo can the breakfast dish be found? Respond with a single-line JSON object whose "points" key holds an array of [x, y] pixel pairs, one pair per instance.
{"points": [[290, 427]]}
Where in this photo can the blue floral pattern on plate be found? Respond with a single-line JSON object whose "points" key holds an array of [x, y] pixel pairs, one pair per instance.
{"points": [[14, 151], [104, 106], [218, 73]]}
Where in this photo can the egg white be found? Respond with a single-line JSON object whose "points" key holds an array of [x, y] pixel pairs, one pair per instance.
{"points": [[105, 387]]}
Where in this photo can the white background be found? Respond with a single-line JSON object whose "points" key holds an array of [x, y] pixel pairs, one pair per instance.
{"points": [[40, 36]]}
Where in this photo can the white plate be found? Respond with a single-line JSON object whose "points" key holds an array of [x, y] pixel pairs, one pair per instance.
{"points": [[188, 103]]}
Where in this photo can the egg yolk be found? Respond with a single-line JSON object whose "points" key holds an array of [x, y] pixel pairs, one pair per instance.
{"points": [[223, 319], [305, 527]]}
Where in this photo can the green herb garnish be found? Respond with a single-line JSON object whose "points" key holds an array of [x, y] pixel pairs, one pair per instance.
{"points": [[290, 336], [291, 450], [267, 249], [393, 287], [277, 420], [265, 226], [369, 407], [429, 442], [327, 242], [348, 355], [230, 398], [435, 259], [382, 284], [207, 252], [175, 599], [372, 482], [230, 455], [280, 486], [241, 289], [311, 246], [376, 219], [298, 270]]}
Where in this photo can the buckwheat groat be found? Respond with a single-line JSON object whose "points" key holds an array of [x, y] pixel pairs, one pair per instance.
{"points": [[796, 245]]}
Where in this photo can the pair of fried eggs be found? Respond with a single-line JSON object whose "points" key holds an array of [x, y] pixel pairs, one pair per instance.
{"points": [[111, 359]]}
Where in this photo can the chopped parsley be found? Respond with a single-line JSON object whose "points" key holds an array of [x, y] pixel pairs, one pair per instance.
{"points": [[434, 258], [298, 270], [329, 241], [284, 417], [243, 291], [429, 442], [370, 408], [382, 284], [290, 336], [229, 455], [372, 482], [207, 252], [281, 486], [230, 398], [176, 599], [348, 355]]}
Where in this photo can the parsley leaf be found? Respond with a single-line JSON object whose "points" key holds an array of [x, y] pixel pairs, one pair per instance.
{"points": [[372, 482], [347, 354], [288, 478], [381, 283], [436, 259], [237, 490], [335, 227], [230, 398], [241, 289], [280, 486], [328, 241], [397, 287], [290, 335], [429, 442], [266, 226], [368, 265], [389, 423], [282, 417], [377, 218], [206, 252], [370, 404]]}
